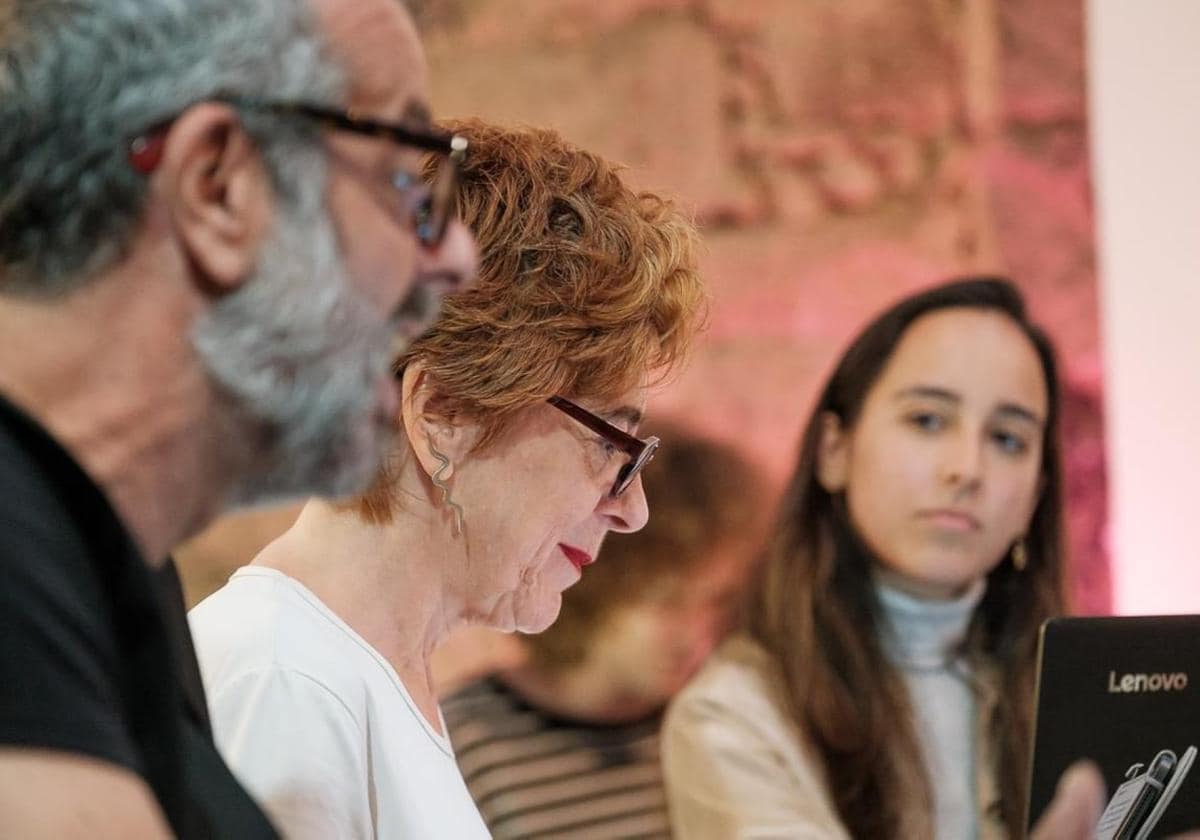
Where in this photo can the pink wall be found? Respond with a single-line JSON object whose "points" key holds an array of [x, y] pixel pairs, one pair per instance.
{"points": [[838, 153]]}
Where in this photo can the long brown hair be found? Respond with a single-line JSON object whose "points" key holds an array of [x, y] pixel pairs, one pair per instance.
{"points": [[815, 610]]}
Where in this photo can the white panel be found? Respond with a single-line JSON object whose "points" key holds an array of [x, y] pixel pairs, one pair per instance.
{"points": [[1144, 77]]}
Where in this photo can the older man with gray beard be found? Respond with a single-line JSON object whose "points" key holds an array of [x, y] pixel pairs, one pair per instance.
{"points": [[211, 239]]}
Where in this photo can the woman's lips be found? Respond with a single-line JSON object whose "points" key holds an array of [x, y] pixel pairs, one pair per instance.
{"points": [[951, 519], [578, 557]]}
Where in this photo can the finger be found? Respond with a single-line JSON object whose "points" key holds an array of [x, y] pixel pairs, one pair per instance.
{"points": [[1076, 806]]}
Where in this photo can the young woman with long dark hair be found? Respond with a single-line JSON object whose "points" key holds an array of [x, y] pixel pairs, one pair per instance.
{"points": [[883, 686]]}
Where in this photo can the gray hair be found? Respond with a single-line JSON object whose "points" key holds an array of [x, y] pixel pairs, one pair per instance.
{"points": [[299, 352], [80, 78]]}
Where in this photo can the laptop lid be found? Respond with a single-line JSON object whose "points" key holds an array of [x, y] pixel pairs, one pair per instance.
{"points": [[1118, 690]]}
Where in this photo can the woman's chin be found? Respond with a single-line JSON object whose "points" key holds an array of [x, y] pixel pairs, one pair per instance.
{"points": [[541, 620]]}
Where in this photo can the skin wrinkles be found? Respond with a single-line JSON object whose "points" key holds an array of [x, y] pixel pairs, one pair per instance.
{"points": [[556, 493]]}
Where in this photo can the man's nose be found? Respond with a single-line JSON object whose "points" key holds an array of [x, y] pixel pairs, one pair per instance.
{"points": [[456, 258]]}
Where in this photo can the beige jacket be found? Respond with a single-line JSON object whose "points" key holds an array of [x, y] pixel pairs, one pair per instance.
{"points": [[736, 766]]}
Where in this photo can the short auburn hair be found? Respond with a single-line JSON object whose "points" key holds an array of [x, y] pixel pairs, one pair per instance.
{"points": [[585, 287]]}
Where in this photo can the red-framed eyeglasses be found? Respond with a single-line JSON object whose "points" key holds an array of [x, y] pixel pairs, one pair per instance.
{"points": [[640, 451]]}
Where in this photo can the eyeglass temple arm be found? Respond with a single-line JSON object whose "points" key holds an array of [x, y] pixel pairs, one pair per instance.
{"points": [[631, 445]]}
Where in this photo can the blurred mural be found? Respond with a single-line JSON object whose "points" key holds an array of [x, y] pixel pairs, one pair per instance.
{"points": [[838, 154]]}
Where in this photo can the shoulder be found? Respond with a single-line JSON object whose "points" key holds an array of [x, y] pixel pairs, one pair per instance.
{"points": [[734, 761], [45, 496], [262, 624], [42, 540], [734, 700], [30, 461], [54, 601], [65, 557], [739, 676], [65, 565], [284, 713]]}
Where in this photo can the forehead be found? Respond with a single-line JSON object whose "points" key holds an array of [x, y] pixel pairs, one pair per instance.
{"points": [[626, 408], [634, 397], [376, 42], [977, 354]]}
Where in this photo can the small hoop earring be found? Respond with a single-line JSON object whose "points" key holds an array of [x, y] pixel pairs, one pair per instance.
{"points": [[1019, 556], [440, 483]]}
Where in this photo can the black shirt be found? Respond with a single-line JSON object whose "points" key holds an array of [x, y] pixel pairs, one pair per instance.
{"points": [[93, 647]]}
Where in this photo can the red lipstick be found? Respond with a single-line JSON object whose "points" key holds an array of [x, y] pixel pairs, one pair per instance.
{"points": [[578, 557]]}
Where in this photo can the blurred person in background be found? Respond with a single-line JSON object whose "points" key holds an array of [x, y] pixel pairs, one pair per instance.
{"points": [[566, 742], [883, 684], [517, 452], [205, 267]]}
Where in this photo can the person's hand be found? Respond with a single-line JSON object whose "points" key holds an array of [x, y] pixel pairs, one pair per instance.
{"points": [[1076, 807]]}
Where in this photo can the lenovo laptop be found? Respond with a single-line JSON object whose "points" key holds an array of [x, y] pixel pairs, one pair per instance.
{"points": [[1124, 692]]}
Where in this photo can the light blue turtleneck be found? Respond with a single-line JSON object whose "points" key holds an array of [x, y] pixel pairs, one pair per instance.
{"points": [[923, 638]]}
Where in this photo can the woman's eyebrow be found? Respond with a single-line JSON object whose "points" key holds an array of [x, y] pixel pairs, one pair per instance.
{"points": [[927, 392], [628, 413], [1020, 412], [1006, 409]]}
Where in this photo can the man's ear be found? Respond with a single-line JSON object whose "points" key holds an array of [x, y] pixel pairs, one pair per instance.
{"points": [[218, 193], [833, 456], [427, 429]]}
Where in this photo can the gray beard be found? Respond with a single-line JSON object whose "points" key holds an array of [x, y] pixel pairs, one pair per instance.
{"points": [[297, 353]]}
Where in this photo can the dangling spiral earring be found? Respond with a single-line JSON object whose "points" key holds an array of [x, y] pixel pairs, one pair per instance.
{"points": [[1020, 557], [440, 483]]}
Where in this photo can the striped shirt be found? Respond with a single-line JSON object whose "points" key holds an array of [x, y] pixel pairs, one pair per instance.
{"points": [[537, 776]]}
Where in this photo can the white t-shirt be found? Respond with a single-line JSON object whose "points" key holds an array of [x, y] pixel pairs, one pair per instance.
{"points": [[317, 724]]}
